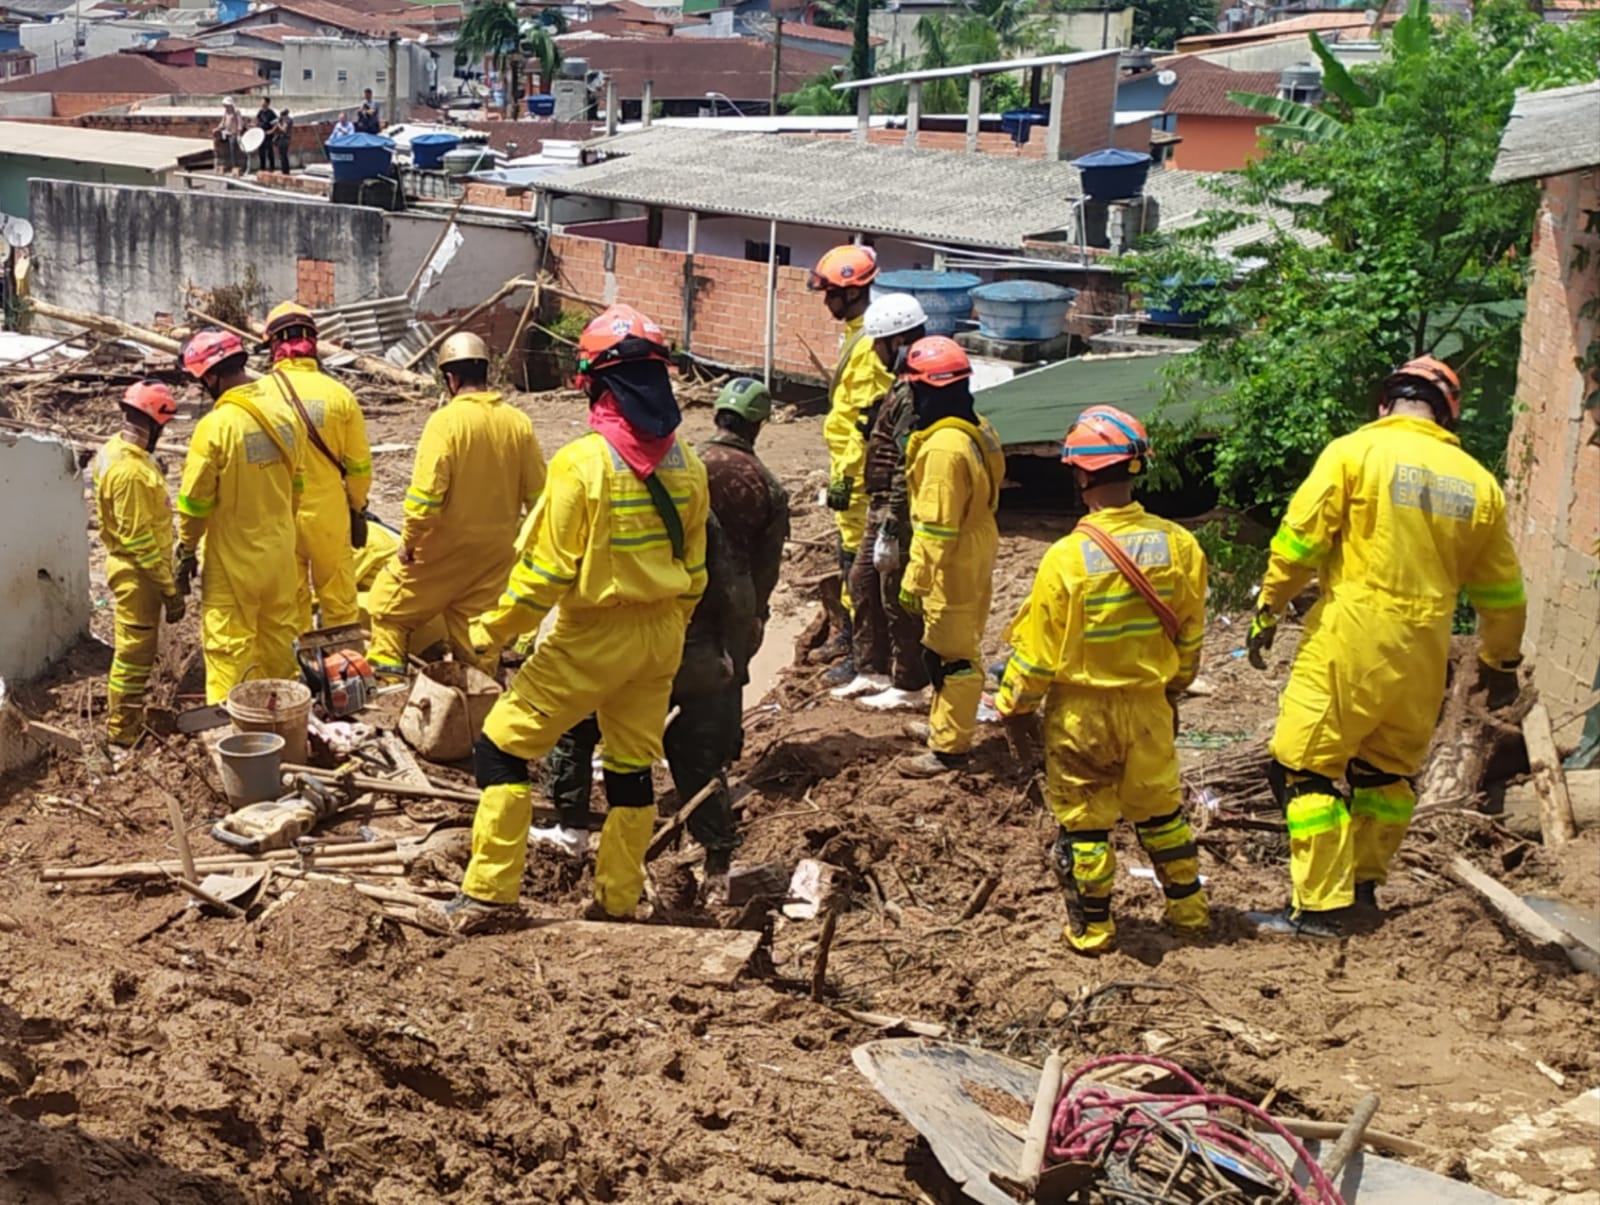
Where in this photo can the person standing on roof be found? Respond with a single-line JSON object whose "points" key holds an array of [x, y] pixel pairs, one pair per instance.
{"points": [[267, 123], [1394, 520], [887, 641], [338, 467], [955, 466], [225, 138], [1106, 642], [745, 537], [618, 542], [478, 470], [130, 497], [367, 118], [282, 132], [843, 276], [242, 481]]}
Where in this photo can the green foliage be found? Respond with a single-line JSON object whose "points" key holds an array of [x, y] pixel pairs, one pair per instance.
{"points": [[537, 44], [816, 98], [1236, 563], [1161, 23], [1399, 246], [569, 324], [492, 31], [861, 41]]}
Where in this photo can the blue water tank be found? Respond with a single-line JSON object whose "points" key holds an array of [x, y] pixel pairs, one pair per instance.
{"points": [[231, 10], [945, 297], [1113, 174], [1022, 309], [1176, 304], [359, 156], [1019, 123], [541, 104], [428, 150]]}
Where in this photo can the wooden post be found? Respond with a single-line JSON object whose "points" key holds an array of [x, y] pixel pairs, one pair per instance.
{"points": [[1555, 805], [913, 111], [693, 241], [863, 112], [611, 108], [974, 111], [391, 112], [647, 103], [777, 61], [769, 349], [1058, 111]]}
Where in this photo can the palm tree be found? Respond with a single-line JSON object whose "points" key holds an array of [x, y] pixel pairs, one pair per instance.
{"points": [[492, 34], [816, 98], [538, 45]]}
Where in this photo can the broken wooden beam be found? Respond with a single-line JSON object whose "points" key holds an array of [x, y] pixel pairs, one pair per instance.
{"points": [[1555, 806], [104, 325], [1512, 907]]}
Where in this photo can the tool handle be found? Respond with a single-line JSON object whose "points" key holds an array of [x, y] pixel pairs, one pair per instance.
{"points": [[1366, 1109]]}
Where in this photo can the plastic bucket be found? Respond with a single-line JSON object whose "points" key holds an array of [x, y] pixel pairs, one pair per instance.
{"points": [[251, 764], [278, 705]]}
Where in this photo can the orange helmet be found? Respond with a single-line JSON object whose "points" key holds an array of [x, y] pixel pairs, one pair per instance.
{"points": [[936, 361], [617, 335], [1103, 436], [152, 399], [208, 348], [846, 267], [1430, 372], [287, 316]]}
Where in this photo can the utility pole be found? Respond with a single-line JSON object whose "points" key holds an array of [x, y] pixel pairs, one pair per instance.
{"points": [[777, 60], [391, 114]]}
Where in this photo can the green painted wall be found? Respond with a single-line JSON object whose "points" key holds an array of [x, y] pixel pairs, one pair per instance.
{"points": [[17, 170]]}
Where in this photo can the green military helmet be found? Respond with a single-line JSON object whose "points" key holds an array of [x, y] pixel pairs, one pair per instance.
{"points": [[746, 397]]}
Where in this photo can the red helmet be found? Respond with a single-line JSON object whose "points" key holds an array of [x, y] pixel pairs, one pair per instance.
{"points": [[1431, 372], [846, 267], [152, 399], [208, 348], [617, 335], [1104, 436], [936, 361]]}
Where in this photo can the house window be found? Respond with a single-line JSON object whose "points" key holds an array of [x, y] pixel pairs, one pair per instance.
{"points": [[758, 252], [343, 76], [305, 73], [380, 77]]}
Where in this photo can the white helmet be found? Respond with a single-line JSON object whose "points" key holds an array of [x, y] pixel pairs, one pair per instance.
{"points": [[893, 314]]}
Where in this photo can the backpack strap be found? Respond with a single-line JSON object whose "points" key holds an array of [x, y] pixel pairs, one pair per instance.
{"points": [[293, 398], [1136, 576]]}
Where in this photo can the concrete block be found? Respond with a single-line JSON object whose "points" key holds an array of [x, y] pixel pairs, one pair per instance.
{"points": [[1018, 351], [44, 559]]}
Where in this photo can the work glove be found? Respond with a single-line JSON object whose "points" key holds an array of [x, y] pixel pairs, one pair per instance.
{"points": [[1263, 630], [839, 491], [1499, 683], [184, 571], [478, 637], [886, 550], [911, 604], [358, 529], [174, 606]]}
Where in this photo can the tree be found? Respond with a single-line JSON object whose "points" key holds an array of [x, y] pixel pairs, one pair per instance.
{"points": [[492, 34], [861, 42], [538, 45], [816, 98], [1162, 22], [1396, 245]]}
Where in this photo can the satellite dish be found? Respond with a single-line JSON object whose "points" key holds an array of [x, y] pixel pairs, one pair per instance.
{"points": [[16, 231], [250, 141], [1166, 78]]}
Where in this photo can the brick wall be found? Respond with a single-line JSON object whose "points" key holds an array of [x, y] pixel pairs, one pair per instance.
{"points": [[305, 143], [312, 185], [1091, 101], [498, 196], [1553, 459], [314, 282], [75, 104], [729, 314]]}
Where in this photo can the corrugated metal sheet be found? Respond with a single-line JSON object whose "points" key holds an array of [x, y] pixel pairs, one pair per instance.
{"points": [[369, 326]]}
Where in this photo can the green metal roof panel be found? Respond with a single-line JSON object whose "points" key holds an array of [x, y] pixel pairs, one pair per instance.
{"points": [[1037, 407]]}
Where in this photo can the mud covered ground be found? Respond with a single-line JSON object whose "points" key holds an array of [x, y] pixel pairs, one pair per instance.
{"points": [[324, 1052]]}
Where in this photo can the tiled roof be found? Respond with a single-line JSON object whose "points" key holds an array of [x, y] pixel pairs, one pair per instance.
{"points": [[824, 33], [688, 68], [136, 74], [1204, 93], [270, 33]]}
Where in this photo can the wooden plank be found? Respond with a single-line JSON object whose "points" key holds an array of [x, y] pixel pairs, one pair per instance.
{"points": [[1510, 905], [1555, 806], [711, 957], [1521, 814]]}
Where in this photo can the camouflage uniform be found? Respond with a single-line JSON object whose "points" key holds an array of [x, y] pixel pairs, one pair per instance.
{"points": [[744, 546], [887, 639]]}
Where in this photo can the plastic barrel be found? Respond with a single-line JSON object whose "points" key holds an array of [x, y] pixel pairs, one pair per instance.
{"points": [[359, 156], [278, 705], [251, 764], [541, 104], [428, 150], [945, 297], [1113, 174], [1022, 309]]}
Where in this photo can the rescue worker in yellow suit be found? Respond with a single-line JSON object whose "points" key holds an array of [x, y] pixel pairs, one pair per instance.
{"points": [[954, 468], [338, 467], [1394, 520], [242, 482], [382, 543], [1108, 667], [843, 276], [130, 498], [618, 542], [479, 467]]}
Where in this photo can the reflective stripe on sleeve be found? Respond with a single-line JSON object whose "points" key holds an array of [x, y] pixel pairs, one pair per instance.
{"points": [[1497, 596], [1287, 544], [196, 508]]}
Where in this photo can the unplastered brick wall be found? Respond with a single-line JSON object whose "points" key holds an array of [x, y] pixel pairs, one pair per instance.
{"points": [[1553, 461], [497, 196], [314, 282], [314, 186], [729, 308]]}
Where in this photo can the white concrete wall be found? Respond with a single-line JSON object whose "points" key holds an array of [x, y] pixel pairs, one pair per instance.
{"points": [[44, 555], [53, 41], [725, 236], [362, 62], [26, 104]]}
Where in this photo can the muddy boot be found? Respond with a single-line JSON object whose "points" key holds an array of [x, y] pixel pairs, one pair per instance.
{"points": [[465, 916], [861, 684], [841, 674], [895, 699], [1321, 926], [931, 764], [1367, 896], [917, 730]]}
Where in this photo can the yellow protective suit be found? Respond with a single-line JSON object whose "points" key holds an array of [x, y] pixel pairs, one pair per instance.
{"points": [[382, 543], [1395, 519], [598, 548], [859, 379], [1090, 650], [326, 560], [241, 494], [135, 517], [953, 475], [478, 468]]}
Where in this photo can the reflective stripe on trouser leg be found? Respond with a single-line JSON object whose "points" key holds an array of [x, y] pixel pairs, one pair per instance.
{"points": [[1379, 817], [1094, 870], [1321, 855], [624, 839], [1170, 845]]}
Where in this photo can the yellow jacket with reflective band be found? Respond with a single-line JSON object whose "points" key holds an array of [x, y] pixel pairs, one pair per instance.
{"points": [[478, 468], [130, 498], [862, 379], [337, 417], [953, 472], [1397, 518], [1083, 623], [240, 495], [596, 541]]}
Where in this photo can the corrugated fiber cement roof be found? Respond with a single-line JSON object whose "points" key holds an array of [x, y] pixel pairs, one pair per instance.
{"points": [[1037, 407]]}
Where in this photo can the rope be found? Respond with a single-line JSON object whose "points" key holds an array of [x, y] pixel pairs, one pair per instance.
{"points": [[1175, 1148]]}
